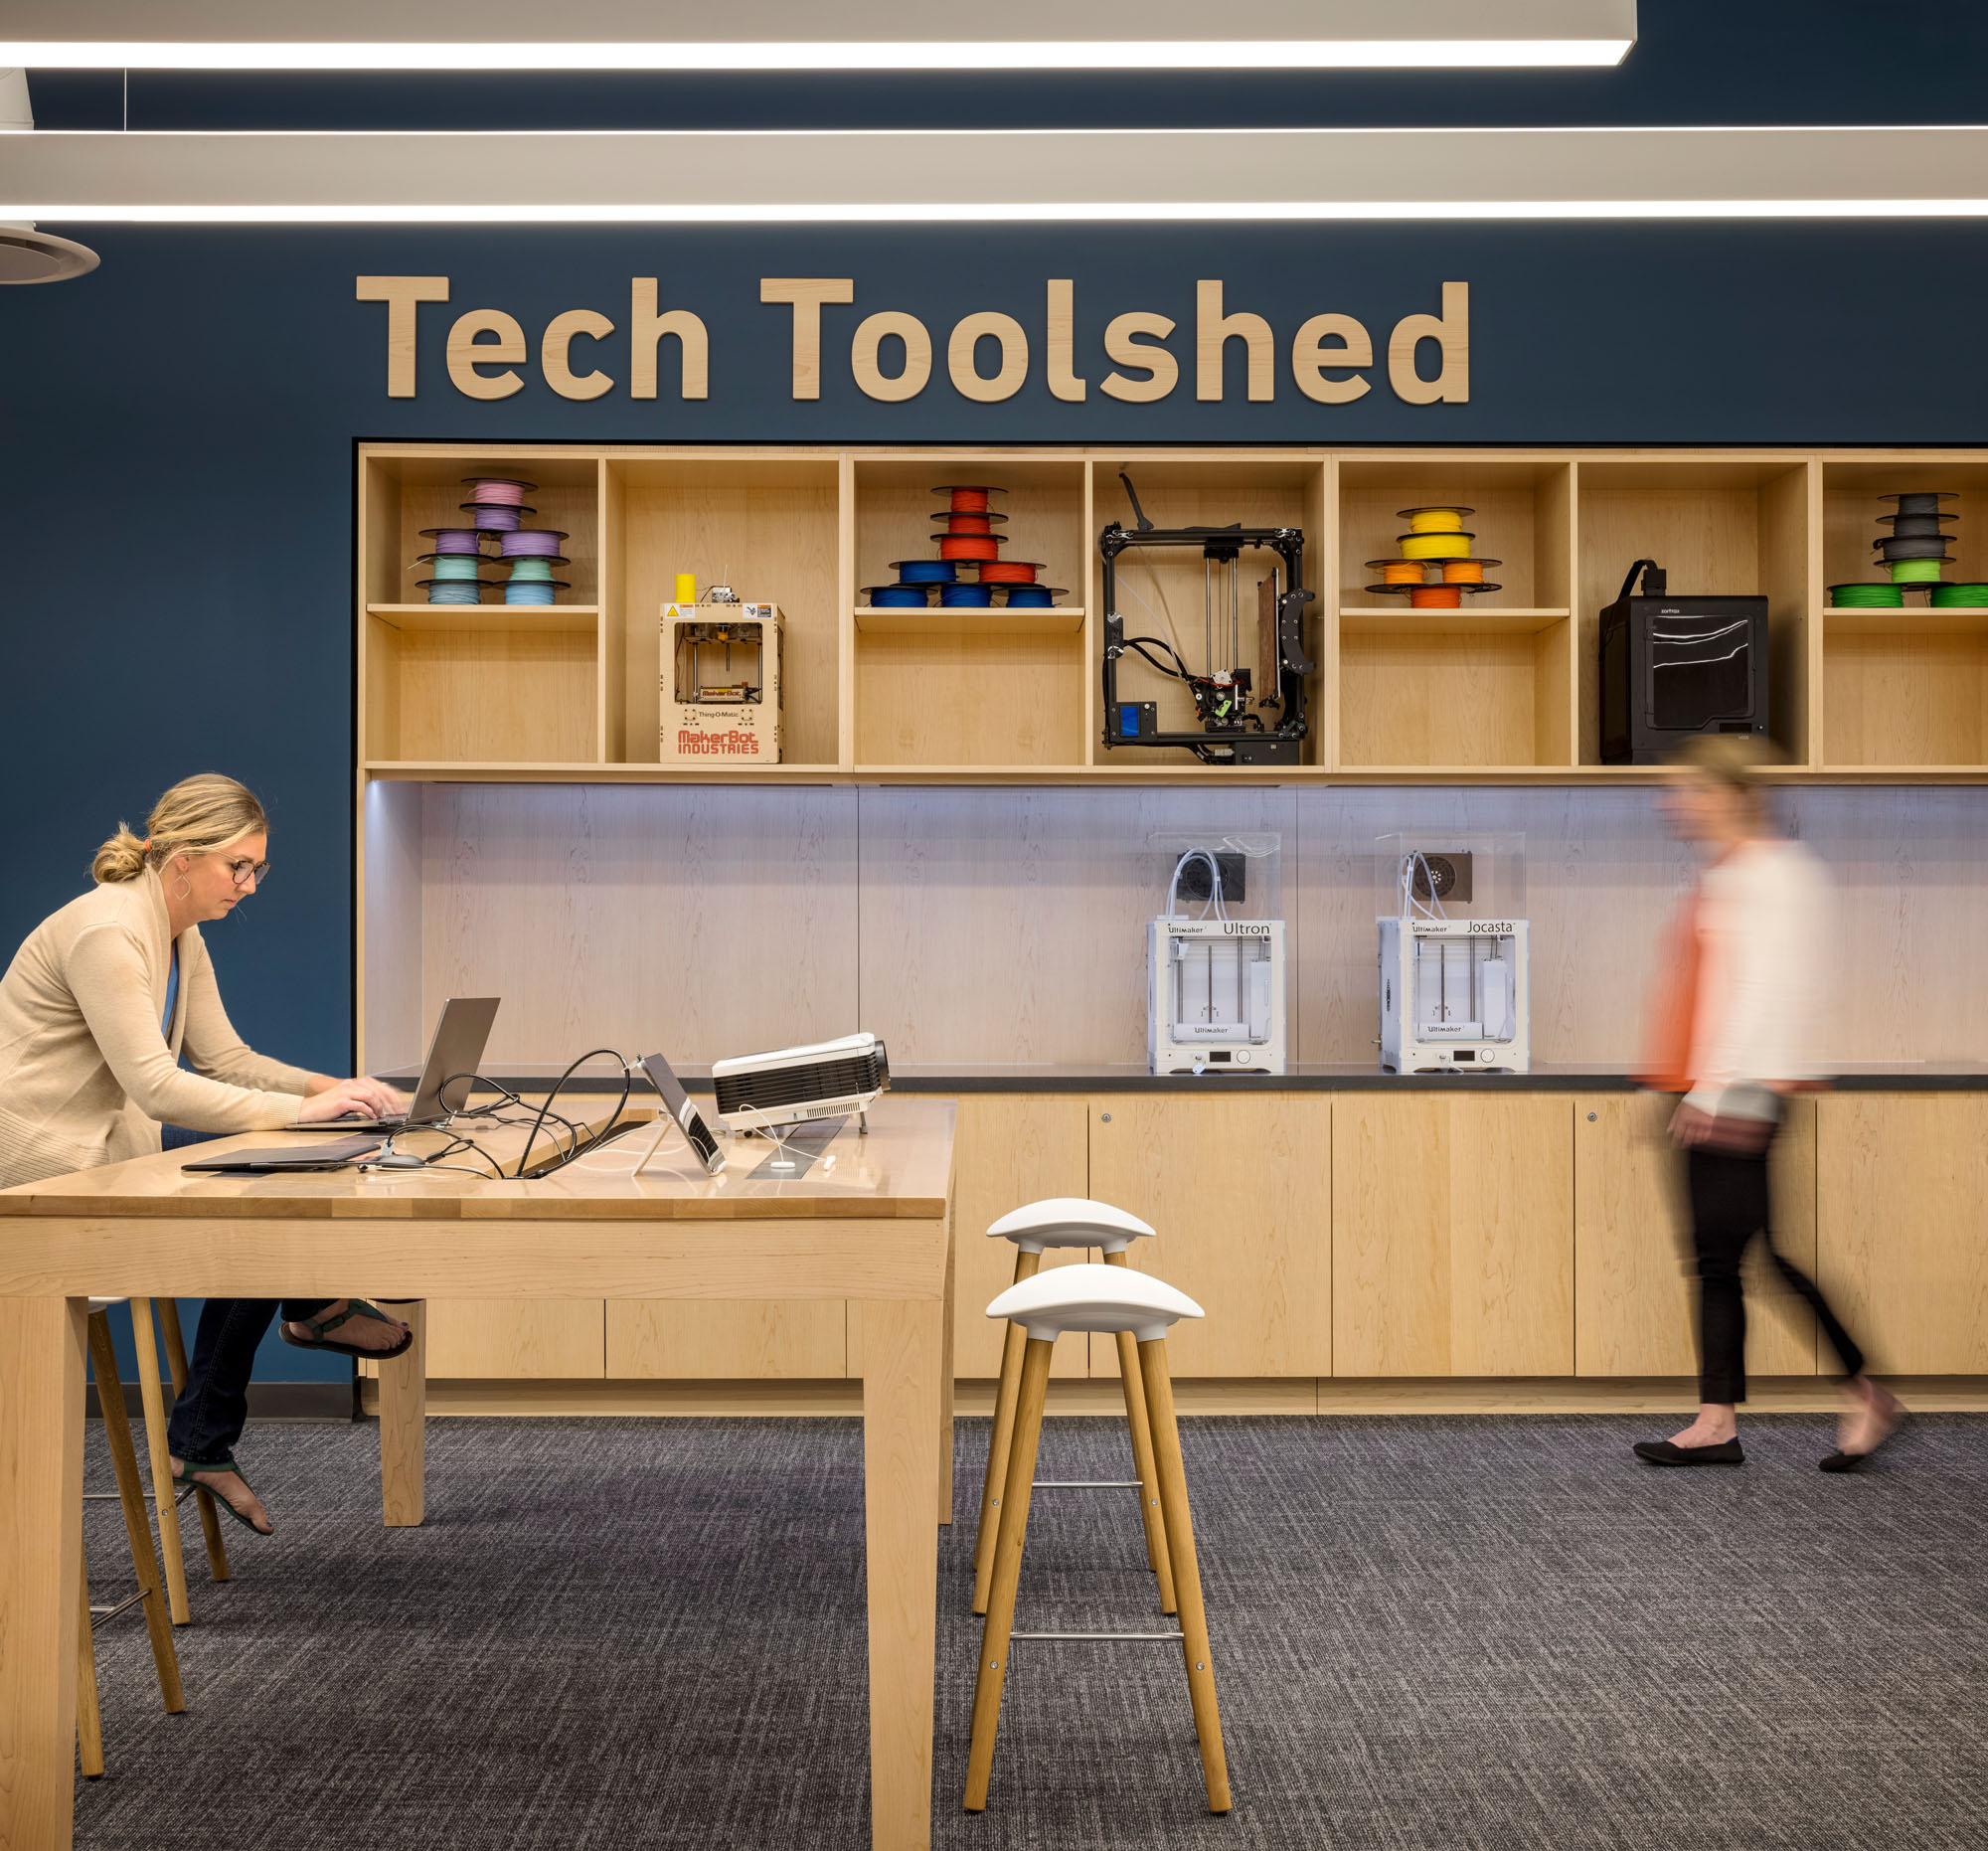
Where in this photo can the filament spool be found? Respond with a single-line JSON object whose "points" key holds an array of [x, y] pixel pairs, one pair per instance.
{"points": [[970, 523], [897, 597], [1913, 547], [925, 570], [1435, 597], [454, 565], [531, 542], [1450, 544], [1466, 571], [1009, 570], [492, 519], [1033, 597], [969, 546], [968, 497], [452, 591], [965, 597], [1922, 500], [534, 591], [1917, 571], [454, 539], [1871, 596], [1904, 526], [529, 571], [497, 490], [1434, 520], [1958, 597], [1399, 572]]}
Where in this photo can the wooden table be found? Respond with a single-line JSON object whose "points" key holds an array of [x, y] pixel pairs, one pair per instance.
{"points": [[871, 1223]]}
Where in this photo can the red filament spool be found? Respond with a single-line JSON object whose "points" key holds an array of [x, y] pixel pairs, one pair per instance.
{"points": [[968, 497], [970, 524], [1010, 570], [969, 546]]}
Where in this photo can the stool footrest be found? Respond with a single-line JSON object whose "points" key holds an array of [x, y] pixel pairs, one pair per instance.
{"points": [[1087, 1485], [111, 1613], [1112, 1637]]}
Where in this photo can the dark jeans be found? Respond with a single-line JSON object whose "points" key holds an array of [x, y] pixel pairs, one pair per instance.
{"points": [[212, 1408], [1728, 1206]]}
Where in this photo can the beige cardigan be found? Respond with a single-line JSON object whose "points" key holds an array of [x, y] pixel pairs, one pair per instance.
{"points": [[86, 1075]]}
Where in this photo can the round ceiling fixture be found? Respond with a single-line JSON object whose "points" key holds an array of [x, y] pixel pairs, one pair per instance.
{"points": [[29, 255]]}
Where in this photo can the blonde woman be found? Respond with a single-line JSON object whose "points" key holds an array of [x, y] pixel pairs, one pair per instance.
{"points": [[98, 1010]]}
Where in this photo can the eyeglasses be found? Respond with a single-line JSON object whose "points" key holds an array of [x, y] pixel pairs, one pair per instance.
{"points": [[244, 871]]}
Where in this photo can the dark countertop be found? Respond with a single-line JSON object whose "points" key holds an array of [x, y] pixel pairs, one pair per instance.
{"points": [[1903, 1077]]}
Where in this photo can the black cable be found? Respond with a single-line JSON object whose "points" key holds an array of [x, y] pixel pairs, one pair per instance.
{"points": [[546, 1106]]}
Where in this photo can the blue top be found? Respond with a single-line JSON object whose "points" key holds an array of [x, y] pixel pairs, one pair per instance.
{"points": [[172, 992]]}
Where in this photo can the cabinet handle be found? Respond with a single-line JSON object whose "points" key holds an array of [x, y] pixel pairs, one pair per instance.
{"points": [[1591, 1118], [1104, 1117]]}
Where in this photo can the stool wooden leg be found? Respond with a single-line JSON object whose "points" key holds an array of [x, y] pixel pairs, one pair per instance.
{"points": [[88, 1717], [137, 1525], [1136, 1420], [1027, 1265], [1187, 1574], [1027, 1434], [171, 1558], [175, 1367]]}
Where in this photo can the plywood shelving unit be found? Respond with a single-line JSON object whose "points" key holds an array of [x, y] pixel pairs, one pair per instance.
{"points": [[1501, 691]]}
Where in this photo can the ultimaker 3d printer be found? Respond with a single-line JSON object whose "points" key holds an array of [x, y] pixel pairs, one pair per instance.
{"points": [[1228, 700]]}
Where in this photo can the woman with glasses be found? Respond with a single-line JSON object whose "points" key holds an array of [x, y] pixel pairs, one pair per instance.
{"points": [[111, 1024]]}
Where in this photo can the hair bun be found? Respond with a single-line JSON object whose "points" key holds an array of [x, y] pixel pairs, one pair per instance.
{"points": [[122, 858]]}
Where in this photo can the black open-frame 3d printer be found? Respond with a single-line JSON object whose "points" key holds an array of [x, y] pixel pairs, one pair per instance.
{"points": [[1234, 730]]}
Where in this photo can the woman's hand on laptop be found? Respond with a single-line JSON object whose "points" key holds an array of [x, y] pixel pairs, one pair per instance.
{"points": [[339, 1098]]}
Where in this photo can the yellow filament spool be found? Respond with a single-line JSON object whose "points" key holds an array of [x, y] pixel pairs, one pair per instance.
{"points": [[1454, 545], [1435, 520]]}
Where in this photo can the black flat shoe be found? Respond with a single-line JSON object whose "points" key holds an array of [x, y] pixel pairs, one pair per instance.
{"points": [[1856, 1461], [1663, 1452]]}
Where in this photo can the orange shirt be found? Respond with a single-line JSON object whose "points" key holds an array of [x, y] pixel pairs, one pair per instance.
{"points": [[1667, 1039]]}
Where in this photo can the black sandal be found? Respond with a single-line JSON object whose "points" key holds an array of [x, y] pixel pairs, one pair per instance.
{"points": [[354, 1308], [184, 1480]]}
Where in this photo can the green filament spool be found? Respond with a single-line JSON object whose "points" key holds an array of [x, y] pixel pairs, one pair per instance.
{"points": [[1960, 596], [1868, 597], [1917, 571]]}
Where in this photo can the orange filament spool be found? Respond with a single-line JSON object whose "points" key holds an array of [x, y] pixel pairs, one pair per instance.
{"points": [[967, 497], [970, 524], [969, 546], [1400, 570], [1465, 571], [1010, 570], [1435, 597]]}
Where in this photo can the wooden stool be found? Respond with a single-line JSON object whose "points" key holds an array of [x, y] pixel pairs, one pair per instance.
{"points": [[1065, 1221], [138, 1532], [1100, 1298]]}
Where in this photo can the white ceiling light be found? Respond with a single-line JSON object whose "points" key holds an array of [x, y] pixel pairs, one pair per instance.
{"points": [[670, 177], [806, 35], [26, 254]]}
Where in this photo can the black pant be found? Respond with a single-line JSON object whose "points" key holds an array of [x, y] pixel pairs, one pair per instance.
{"points": [[1728, 1206], [212, 1408]]}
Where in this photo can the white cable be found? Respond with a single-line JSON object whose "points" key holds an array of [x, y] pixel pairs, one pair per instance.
{"points": [[1214, 884]]}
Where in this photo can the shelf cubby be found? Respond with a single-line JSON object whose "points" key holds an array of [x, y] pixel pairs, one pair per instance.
{"points": [[767, 526], [962, 688], [1719, 526], [1164, 591]]}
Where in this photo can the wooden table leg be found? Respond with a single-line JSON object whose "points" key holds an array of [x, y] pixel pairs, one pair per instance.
{"points": [[903, 1344], [945, 1390], [41, 1561], [404, 1412]]}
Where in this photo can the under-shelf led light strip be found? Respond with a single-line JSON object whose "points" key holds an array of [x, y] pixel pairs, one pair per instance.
{"points": [[844, 54]]}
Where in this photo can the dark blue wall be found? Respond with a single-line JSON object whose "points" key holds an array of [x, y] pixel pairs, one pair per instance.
{"points": [[176, 430]]}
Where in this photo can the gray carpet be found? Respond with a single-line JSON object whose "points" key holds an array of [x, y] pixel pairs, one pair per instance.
{"points": [[1431, 1635]]}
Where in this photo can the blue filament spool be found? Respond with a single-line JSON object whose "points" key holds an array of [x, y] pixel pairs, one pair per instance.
{"points": [[897, 597], [966, 597], [925, 571]]}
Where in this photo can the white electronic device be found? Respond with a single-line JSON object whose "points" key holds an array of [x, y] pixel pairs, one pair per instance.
{"points": [[1215, 986], [721, 682], [790, 1085]]}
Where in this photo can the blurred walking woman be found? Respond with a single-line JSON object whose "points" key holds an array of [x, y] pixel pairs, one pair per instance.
{"points": [[1731, 1034], [97, 1011]]}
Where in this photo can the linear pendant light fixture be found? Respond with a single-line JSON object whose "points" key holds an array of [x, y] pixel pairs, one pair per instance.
{"points": [[672, 177], [810, 34]]}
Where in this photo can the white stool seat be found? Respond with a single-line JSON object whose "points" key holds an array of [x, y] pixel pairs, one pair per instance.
{"points": [[105, 1304], [1091, 1297], [1069, 1221]]}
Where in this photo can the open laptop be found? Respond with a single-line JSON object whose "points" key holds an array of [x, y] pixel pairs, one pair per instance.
{"points": [[455, 1053]]}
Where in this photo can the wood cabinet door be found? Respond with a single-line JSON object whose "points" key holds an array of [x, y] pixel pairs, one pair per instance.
{"points": [[1635, 1305], [1239, 1189], [515, 1339], [1903, 1240], [1009, 1150], [1453, 1235]]}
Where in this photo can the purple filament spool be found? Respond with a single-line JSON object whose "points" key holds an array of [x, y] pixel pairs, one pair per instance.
{"points": [[532, 543]]}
